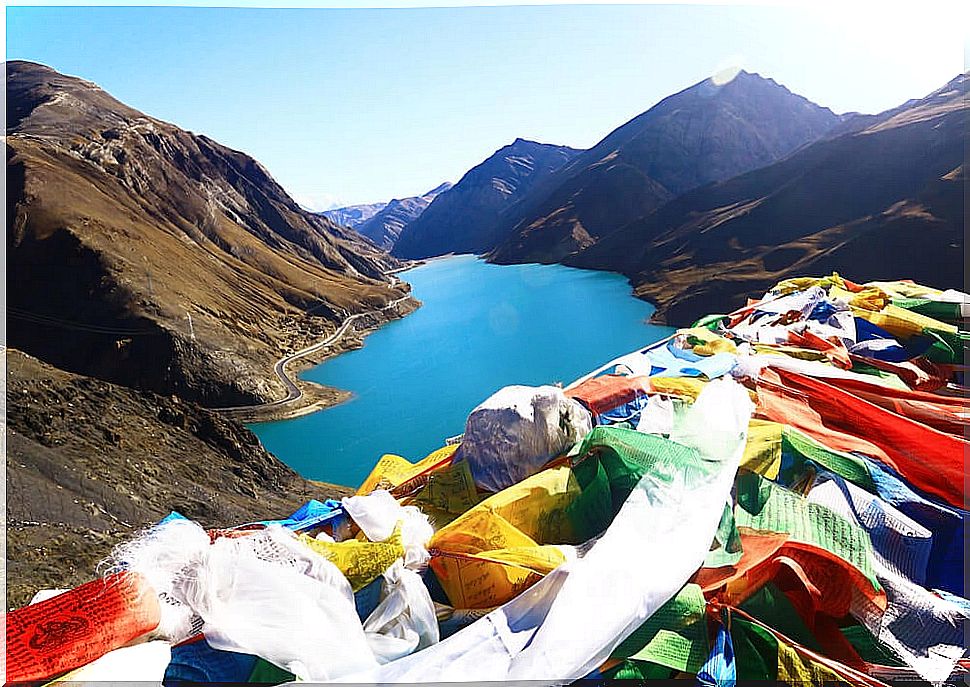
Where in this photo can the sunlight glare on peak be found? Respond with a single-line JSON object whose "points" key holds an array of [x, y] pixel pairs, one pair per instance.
{"points": [[726, 74]]}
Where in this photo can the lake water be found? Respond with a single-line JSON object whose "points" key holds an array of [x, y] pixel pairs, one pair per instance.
{"points": [[481, 327]]}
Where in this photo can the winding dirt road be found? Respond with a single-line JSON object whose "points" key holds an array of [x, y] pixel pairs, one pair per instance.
{"points": [[293, 392]]}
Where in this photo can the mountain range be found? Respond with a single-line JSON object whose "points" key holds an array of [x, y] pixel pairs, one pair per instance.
{"points": [[353, 215], [883, 199], [467, 217], [382, 223], [723, 189], [706, 133], [171, 262], [179, 266]]}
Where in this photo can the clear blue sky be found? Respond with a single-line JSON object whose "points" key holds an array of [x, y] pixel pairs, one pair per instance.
{"points": [[359, 105]]}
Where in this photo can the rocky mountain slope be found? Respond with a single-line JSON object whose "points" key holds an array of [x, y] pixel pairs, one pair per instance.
{"points": [[385, 226], [706, 133], [466, 218], [90, 463], [144, 254], [882, 201], [353, 215]]}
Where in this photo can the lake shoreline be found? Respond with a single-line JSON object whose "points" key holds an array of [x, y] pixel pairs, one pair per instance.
{"points": [[483, 326], [315, 396]]}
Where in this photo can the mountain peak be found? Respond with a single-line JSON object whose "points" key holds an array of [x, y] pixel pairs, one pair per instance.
{"points": [[523, 144], [526, 144], [24, 74], [439, 189], [729, 84], [722, 77], [720, 127], [385, 225], [958, 84], [465, 218], [33, 86]]}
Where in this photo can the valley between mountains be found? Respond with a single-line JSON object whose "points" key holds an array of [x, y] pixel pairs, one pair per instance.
{"points": [[155, 275]]}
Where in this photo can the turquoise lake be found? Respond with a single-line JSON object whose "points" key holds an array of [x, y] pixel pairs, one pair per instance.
{"points": [[481, 327]]}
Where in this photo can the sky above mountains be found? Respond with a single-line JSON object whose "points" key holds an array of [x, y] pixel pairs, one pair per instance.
{"points": [[359, 105]]}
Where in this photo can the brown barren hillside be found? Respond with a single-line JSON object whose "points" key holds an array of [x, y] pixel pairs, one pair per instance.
{"points": [[886, 201], [89, 463], [144, 254]]}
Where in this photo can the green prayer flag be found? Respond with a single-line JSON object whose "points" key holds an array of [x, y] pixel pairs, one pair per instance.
{"points": [[770, 605], [938, 310], [675, 636], [869, 648], [265, 673], [709, 322], [764, 505], [798, 448], [755, 652], [639, 670], [726, 549]]}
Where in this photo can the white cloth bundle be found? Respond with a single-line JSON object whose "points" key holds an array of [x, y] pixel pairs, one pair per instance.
{"points": [[517, 430]]}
